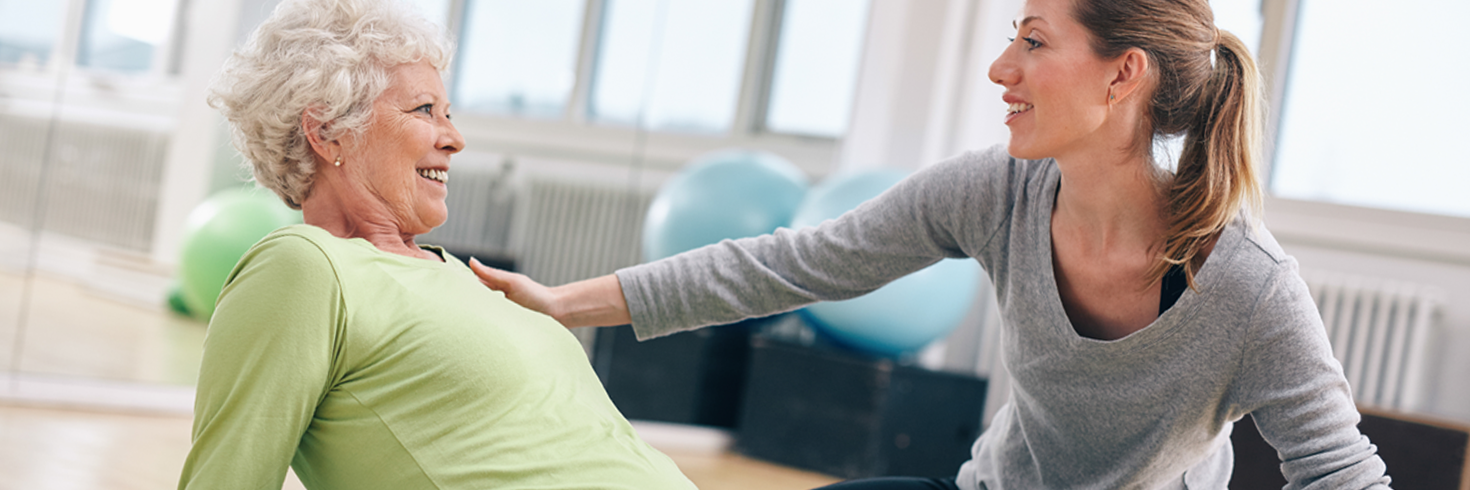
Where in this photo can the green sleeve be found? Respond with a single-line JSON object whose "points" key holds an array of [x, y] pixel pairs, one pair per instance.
{"points": [[268, 361]]}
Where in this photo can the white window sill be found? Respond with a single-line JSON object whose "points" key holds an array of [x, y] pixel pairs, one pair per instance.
{"points": [[1370, 230]]}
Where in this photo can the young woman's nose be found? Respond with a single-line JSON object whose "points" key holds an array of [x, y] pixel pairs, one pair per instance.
{"points": [[1003, 69]]}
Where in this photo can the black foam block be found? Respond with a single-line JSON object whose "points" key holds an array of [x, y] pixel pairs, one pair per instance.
{"points": [[855, 416], [694, 377]]}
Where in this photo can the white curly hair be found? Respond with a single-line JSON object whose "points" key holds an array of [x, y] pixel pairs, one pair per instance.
{"points": [[330, 57]]}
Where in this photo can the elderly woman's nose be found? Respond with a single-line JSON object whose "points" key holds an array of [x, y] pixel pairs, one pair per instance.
{"points": [[450, 139]]}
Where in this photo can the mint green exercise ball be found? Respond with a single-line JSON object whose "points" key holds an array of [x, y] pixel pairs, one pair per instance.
{"points": [[904, 315], [218, 232], [724, 194]]}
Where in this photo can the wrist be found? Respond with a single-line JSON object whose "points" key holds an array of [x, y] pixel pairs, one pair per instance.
{"points": [[556, 305]]}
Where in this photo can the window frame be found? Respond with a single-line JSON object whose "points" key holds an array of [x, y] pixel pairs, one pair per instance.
{"points": [[146, 100], [573, 135], [1403, 234]]}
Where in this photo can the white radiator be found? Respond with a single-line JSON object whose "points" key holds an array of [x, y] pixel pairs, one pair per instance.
{"points": [[22, 147], [557, 229], [567, 231], [101, 182], [482, 201], [1380, 331]]}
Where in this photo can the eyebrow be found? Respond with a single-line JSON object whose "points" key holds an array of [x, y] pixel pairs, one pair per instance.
{"points": [[1025, 21]]}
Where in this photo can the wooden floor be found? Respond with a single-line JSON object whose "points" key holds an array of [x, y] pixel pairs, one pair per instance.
{"points": [[72, 332], [69, 449]]}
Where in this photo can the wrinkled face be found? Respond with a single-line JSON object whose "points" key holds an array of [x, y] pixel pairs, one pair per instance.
{"points": [[402, 158], [1056, 86]]}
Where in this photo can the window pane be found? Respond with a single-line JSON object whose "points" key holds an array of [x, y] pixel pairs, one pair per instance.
{"points": [[519, 57], [437, 11], [29, 30], [1241, 18], [816, 66], [122, 34], [1377, 120], [675, 63]]}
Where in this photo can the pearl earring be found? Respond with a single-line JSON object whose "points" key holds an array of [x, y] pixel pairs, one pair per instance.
{"points": [[338, 163]]}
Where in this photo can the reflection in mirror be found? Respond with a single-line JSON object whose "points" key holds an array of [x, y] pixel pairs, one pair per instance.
{"points": [[29, 32], [124, 35], [80, 179]]}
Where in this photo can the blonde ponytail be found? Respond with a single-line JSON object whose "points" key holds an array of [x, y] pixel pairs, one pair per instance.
{"points": [[1216, 177]]}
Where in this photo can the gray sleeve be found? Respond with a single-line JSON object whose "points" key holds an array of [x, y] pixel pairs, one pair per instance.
{"points": [[1296, 392], [909, 227]]}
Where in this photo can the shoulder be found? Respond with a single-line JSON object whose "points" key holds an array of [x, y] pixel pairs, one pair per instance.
{"points": [[1248, 264], [993, 162], [986, 176], [292, 252], [1258, 276]]}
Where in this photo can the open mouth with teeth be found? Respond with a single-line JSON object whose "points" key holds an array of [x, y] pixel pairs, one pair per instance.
{"points": [[1018, 107], [440, 176]]}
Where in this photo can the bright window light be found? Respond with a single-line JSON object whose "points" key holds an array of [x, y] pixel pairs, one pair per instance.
{"points": [[816, 67], [146, 21], [122, 35], [519, 57], [1377, 120], [29, 30], [671, 64], [437, 11], [1241, 18]]}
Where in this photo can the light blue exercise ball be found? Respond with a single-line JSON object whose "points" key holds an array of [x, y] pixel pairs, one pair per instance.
{"points": [[719, 195], [904, 315]]}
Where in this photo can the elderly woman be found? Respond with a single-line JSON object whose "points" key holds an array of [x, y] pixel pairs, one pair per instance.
{"points": [[343, 348]]}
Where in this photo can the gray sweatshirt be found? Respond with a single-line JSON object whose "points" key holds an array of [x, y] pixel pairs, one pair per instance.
{"points": [[1151, 410]]}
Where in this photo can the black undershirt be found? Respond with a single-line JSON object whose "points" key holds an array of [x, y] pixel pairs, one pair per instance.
{"points": [[1174, 285]]}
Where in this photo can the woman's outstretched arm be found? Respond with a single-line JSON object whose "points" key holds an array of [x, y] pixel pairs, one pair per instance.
{"points": [[596, 302]]}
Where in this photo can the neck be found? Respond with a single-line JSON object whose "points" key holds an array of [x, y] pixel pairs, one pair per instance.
{"points": [[354, 213], [1111, 200]]}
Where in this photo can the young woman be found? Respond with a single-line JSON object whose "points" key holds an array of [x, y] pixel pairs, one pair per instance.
{"points": [[1145, 310]]}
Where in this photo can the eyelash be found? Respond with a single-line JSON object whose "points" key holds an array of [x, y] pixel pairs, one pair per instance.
{"points": [[429, 109], [1032, 42]]}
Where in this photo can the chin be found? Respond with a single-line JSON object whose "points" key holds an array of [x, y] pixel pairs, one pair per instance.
{"points": [[433, 218], [1022, 151]]}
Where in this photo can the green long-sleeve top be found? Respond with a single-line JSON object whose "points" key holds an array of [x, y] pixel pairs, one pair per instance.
{"points": [[365, 369]]}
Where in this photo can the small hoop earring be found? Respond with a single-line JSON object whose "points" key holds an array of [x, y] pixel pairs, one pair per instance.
{"points": [[338, 163]]}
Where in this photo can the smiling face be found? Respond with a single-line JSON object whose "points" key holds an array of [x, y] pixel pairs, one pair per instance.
{"points": [[1056, 86], [402, 159]]}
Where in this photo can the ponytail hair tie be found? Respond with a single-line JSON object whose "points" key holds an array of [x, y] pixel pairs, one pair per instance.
{"points": [[1218, 45]]}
